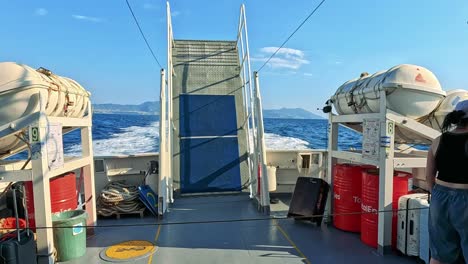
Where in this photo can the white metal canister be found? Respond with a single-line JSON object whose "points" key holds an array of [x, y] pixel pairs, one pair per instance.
{"points": [[271, 173]]}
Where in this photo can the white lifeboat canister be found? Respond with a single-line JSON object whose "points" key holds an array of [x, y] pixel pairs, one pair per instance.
{"points": [[22, 87], [446, 106], [412, 91]]}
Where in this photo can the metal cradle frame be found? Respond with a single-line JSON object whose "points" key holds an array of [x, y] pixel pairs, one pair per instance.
{"points": [[40, 173], [389, 158]]}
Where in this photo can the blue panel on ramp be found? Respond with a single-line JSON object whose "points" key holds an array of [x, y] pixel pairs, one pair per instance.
{"points": [[207, 115], [210, 165]]}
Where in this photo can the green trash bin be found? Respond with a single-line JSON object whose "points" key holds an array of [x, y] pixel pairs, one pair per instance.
{"points": [[70, 242]]}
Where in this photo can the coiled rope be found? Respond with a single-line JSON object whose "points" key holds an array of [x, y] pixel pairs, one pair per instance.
{"points": [[118, 197]]}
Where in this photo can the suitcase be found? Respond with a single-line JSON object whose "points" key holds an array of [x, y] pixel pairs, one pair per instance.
{"points": [[424, 254], [309, 199], [409, 218], [18, 247]]}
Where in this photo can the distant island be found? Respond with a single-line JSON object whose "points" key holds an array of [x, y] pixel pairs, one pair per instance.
{"points": [[152, 108], [146, 108], [290, 113]]}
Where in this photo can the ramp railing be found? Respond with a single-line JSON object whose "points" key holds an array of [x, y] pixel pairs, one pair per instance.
{"points": [[244, 59], [166, 130], [254, 119], [170, 117]]}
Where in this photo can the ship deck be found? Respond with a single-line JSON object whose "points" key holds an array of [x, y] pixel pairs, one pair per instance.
{"points": [[229, 229]]}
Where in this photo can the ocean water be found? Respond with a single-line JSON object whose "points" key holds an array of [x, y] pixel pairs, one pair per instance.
{"points": [[118, 134]]}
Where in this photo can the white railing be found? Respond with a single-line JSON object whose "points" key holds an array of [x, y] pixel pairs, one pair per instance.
{"points": [[170, 45], [254, 120], [260, 149], [170, 120], [244, 59], [166, 125], [164, 165]]}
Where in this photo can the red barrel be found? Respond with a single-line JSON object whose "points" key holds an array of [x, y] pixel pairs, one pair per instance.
{"points": [[347, 196], [63, 195], [370, 204]]}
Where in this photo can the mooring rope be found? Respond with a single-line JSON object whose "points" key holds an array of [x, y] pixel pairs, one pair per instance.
{"points": [[118, 197]]}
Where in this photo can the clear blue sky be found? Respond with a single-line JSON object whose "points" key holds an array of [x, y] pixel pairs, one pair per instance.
{"points": [[98, 44]]}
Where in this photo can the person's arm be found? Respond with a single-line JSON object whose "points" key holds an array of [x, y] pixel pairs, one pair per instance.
{"points": [[431, 170]]}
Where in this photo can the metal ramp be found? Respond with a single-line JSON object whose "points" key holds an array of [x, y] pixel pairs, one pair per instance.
{"points": [[209, 117], [211, 125]]}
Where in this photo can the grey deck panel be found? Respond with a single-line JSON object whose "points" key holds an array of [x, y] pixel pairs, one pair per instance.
{"points": [[225, 243], [326, 244], [108, 236], [259, 241]]}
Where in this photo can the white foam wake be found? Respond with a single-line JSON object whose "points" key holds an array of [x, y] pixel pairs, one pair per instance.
{"points": [[137, 139], [277, 142], [274, 141], [130, 140]]}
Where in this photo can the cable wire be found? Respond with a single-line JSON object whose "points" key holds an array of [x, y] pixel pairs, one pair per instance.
{"points": [[292, 34], [142, 34], [268, 218]]}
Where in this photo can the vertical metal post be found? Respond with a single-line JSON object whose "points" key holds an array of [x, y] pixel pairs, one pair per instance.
{"points": [[332, 146], [41, 190], [247, 50], [265, 195], [162, 147], [251, 101], [246, 101], [321, 164], [15, 210], [169, 105], [385, 179], [88, 173]]}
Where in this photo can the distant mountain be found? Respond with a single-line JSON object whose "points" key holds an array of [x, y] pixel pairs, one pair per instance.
{"points": [[148, 108], [152, 108], [291, 113]]}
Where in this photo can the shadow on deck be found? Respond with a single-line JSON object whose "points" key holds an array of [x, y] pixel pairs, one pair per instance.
{"points": [[228, 229]]}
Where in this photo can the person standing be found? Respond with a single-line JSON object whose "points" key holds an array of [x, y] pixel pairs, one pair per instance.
{"points": [[447, 178]]}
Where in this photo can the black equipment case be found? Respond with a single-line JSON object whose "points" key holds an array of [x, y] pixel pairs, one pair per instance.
{"points": [[309, 199]]}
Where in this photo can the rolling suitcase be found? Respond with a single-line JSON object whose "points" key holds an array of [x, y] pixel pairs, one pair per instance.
{"points": [[309, 199], [424, 254], [18, 247], [409, 220]]}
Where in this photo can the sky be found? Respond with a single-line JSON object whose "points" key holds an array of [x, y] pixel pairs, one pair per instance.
{"points": [[98, 44]]}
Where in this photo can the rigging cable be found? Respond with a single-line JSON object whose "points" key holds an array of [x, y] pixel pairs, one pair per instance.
{"points": [[142, 34], [253, 219], [292, 34]]}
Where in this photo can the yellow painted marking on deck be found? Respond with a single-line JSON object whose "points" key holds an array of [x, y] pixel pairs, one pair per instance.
{"points": [[150, 259], [130, 249], [286, 236]]}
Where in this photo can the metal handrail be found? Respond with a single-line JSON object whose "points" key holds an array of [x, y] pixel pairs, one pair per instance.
{"points": [[241, 26], [253, 131], [248, 82], [168, 95], [164, 169], [244, 57]]}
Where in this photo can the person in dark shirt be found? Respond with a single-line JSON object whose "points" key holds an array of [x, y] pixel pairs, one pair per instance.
{"points": [[447, 178]]}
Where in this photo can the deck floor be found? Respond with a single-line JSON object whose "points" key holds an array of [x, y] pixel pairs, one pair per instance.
{"points": [[207, 230]]}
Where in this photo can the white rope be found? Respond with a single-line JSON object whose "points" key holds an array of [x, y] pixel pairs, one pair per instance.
{"points": [[118, 197]]}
